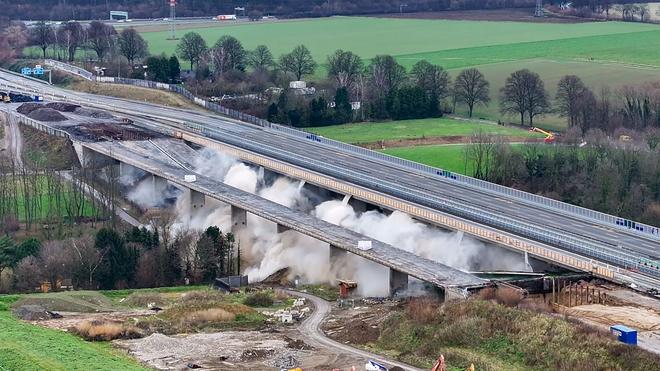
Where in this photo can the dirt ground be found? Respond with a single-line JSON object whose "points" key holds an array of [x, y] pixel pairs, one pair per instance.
{"points": [[626, 307], [71, 319], [358, 324], [510, 15], [240, 350], [274, 347]]}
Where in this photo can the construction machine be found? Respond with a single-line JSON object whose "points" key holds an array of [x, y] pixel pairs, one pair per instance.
{"points": [[549, 136]]}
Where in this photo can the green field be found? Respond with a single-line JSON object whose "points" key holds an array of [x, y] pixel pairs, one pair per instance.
{"points": [[624, 52], [370, 132], [28, 347], [373, 36], [448, 157]]}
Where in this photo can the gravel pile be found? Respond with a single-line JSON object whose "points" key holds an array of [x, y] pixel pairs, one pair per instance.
{"points": [[287, 361], [46, 114], [62, 107], [26, 108], [34, 313]]}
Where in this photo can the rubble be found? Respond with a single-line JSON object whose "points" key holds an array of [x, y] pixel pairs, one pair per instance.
{"points": [[34, 313], [62, 107], [46, 114]]}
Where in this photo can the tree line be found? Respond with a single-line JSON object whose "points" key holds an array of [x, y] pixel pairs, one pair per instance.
{"points": [[111, 259], [591, 170], [99, 9]]}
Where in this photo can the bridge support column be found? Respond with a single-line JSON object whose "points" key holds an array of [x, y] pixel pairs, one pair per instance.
{"points": [[357, 205], [459, 238], [398, 282], [197, 200], [159, 184], [282, 228], [336, 253], [238, 219]]}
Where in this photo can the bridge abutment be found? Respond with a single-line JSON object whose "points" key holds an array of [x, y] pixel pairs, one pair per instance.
{"points": [[90, 159], [238, 219], [398, 282], [282, 228]]}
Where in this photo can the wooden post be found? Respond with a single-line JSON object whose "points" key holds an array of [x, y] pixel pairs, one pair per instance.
{"points": [[554, 301]]}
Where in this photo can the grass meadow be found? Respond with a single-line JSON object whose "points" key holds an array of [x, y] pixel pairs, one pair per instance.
{"points": [[369, 37], [24, 346], [447, 156], [625, 52], [414, 129]]}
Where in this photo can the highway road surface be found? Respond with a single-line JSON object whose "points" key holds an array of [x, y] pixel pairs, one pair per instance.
{"points": [[310, 328], [536, 222]]}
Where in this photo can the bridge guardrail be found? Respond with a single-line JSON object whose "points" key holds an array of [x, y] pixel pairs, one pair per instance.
{"points": [[548, 203]]}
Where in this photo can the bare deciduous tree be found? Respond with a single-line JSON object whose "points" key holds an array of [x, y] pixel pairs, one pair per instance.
{"points": [[132, 45], [191, 48], [471, 89], [299, 62], [524, 93]]}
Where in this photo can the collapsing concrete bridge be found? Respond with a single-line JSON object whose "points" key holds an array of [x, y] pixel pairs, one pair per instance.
{"points": [[341, 240], [172, 166]]}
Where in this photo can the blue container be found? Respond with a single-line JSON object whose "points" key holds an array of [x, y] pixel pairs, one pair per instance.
{"points": [[624, 334]]}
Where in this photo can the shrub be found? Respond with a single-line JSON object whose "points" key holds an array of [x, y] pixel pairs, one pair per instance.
{"points": [[259, 299], [208, 316], [105, 331], [142, 299], [422, 309], [202, 296]]}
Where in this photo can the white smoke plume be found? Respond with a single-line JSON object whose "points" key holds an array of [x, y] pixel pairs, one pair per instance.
{"points": [[264, 251]]}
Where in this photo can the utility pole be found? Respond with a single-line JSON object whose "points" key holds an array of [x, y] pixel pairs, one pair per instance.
{"points": [[539, 9], [172, 20]]}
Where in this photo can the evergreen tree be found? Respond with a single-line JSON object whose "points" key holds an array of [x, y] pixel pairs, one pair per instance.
{"points": [[343, 112], [174, 69]]}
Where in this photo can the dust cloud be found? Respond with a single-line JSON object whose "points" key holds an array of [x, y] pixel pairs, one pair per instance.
{"points": [[264, 251]]}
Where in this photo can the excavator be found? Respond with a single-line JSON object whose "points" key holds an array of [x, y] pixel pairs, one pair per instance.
{"points": [[549, 136]]}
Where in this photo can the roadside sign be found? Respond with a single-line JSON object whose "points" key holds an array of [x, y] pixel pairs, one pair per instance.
{"points": [[37, 66], [38, 71], [26, 71]]}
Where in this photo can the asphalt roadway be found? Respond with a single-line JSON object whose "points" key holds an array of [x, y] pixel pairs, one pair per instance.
{"points": [[398, 181]]}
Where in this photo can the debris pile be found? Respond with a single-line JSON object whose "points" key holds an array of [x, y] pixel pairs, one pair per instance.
{"points": [[46, 114], [26, 108], [62, 107], [34, 313]]}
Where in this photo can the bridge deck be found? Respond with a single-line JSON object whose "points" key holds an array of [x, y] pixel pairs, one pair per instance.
{"points": [[421, 268]]}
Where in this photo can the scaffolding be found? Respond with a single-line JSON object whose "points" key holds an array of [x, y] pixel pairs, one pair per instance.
{"points": [[539, 9], [172, 20]]}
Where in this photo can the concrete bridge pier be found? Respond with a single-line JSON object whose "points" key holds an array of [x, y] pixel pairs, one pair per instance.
{"points": [[158, 184], [282, 228], [197, 200], [336, 253], [398, 282], [238, 219]]}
